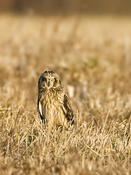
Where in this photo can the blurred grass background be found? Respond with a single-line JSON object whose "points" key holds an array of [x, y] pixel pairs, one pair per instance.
{"points": [[117, 7]]}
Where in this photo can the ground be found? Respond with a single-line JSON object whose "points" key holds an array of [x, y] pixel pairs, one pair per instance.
{"points": [[92, 54]]}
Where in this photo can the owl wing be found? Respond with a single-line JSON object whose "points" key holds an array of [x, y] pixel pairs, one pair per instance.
{"points": [[39, 108], [67, 110]]}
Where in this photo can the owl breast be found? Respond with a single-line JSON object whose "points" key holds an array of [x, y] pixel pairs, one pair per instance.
{"points": [[52, 109]]}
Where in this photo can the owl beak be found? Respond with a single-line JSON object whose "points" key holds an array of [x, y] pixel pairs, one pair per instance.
{"points": [[48, 83]]}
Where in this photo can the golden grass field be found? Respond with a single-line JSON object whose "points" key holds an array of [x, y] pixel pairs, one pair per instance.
{"points": [[93, 57]]}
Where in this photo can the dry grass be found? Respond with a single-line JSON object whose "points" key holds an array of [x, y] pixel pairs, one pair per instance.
{"points": [[93, 57]]}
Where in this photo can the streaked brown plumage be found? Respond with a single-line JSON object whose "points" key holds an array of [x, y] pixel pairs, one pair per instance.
{"points": [[53, 104]]}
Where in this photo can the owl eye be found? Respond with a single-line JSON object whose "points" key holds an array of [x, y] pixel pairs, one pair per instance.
{"points": [[44, 79], [55, 80]]}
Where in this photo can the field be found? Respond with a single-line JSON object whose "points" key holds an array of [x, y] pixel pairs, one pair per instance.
{"points": [[93, 57]]}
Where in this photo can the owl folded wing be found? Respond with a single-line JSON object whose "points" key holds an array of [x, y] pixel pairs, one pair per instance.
{"points": [[67, 110], [39, 108]]}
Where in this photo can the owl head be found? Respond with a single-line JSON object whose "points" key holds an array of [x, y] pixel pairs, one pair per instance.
{"points": [[48, 80]]}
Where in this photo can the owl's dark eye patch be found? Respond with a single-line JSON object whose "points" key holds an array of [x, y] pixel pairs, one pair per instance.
{"points": [[55, 80], [43, 79]]}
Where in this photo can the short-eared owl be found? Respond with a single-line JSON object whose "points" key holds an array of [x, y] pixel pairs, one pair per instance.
{"points": [[53, 104]]}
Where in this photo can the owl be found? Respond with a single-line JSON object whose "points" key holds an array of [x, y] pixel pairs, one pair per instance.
{"points": [[53, 104]]}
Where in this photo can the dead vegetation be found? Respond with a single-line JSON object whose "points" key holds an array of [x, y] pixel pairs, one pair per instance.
{"points": [[93, 57]]}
